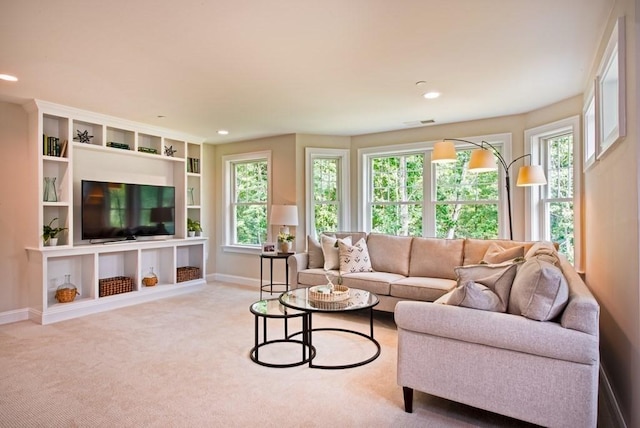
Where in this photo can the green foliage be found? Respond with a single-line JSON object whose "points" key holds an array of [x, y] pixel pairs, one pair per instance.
{"points": [[49, 231], [250, 204], [193, 225]]}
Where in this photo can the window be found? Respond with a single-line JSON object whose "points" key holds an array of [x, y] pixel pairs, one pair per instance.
{"points": [[553, 208], [247, 188], [327, 190], [396, 205], [405, 194], [557, 199], [466, 202]]}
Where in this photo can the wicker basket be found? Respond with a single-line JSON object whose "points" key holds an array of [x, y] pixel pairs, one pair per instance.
{"points": [[187, 273], [115, 285], [66, 295], [321, 293]]}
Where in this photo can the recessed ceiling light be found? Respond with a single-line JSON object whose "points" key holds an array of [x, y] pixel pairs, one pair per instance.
{"points": [[223, 132], [421, 83], [431, 95], [8, 77], [160, 116]]}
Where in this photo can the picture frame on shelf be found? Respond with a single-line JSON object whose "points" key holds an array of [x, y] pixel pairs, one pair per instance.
{"points": [[269, 248], [611, 91]]}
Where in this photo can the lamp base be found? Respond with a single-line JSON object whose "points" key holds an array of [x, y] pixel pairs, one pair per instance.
{"points": [[284, 229]]}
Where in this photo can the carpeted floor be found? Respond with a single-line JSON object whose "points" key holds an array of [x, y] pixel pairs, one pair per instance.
{"points": [[184, 362]]}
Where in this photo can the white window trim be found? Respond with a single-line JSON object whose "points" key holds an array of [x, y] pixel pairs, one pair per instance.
{"points": [[312, 153], [502, 142], [227, 215], [534, 217]]}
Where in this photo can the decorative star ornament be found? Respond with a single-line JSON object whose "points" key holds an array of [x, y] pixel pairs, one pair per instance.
{"points": [[83, 137], [169, 151]]}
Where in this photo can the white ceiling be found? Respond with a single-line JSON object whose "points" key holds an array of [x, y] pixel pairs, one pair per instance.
{"points": [[333, 67]]}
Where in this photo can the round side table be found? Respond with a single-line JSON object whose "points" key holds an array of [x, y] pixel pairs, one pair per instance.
{"points": [[272, 308]]}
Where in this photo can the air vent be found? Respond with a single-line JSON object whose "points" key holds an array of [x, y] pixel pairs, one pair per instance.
{"points": [[420, 122]]}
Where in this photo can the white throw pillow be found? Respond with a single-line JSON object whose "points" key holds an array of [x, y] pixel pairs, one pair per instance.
{"points": [[354, 258], [330, 251]]}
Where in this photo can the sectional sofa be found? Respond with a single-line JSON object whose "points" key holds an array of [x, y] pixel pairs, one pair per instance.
{"points": [[531, 353]]}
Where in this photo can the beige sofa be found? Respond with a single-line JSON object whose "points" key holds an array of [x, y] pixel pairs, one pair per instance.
{"points": [[544, 372], [405, 267]]}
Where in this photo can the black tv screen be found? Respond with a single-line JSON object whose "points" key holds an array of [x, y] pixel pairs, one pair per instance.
{"points": [[125, 211]]}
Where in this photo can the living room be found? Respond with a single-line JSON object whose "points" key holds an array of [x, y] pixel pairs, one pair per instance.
{"points": [[609, 231]]}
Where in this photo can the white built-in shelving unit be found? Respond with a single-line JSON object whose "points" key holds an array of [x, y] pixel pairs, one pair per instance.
{"points": [[144, 160]]}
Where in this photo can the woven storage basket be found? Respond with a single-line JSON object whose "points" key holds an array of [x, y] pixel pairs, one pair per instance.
{"points": [[187, 273], [65, 295], [319, 293], [115, 285]]}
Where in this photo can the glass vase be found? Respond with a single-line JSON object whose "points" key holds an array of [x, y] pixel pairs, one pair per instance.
{"points": [[191, 200], [150, 278], [50, 194], [67, 291]]}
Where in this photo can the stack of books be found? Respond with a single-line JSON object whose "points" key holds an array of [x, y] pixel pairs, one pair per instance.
{"points": [[51, 146], [193, 165], [118, 145]]}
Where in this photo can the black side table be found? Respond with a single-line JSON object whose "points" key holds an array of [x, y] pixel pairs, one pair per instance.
{"points": [[272, 308], [270, 284]]}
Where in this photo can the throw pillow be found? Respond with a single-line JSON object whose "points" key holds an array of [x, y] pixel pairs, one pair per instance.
{"points": [[314, 249], [330, 251], [540, 291], [496, 254], [475, 296], [544, 251], [498, 278], [354, 258]]}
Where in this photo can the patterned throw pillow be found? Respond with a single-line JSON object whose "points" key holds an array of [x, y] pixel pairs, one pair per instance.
{"points": [[354, 258]]}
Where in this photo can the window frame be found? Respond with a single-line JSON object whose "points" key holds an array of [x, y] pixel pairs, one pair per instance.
{"points": [[229, 162], [535, 214], [502, 141], [344, 174]]}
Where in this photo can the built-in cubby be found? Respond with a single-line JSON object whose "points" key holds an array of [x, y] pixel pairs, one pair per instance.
{"points": [[75, 145]]}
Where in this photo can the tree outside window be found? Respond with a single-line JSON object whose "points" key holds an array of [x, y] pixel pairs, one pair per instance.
{"points": [[558, 195], [326, 198], [466, 202], [249, 202]]}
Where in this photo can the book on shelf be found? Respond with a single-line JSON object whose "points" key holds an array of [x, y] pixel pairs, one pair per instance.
{"points": [[51, 146], [193, 165]]}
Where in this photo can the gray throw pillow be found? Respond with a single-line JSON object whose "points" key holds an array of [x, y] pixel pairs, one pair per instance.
{"points": [[475, 296], [496, 254], [498, 278], [316, 259], [540, 291]]}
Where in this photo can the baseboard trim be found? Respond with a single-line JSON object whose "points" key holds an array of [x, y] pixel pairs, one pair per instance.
{"points": [[610, 399], [16, 315], [234, 279]]}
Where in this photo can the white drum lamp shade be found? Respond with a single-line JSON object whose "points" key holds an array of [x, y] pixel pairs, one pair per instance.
{"points": [[284, 216], [531, 175]]}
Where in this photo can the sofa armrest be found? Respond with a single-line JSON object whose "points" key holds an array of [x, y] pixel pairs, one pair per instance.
{"points": [[498, 330], [297, 262]]}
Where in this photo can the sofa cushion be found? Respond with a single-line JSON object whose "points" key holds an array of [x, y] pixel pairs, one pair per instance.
{"points": [[376, 282], [330, 251], [314, 248], [354, 258], [475, 296], [475, 249], [539, 291], [389, 253], [497, 254], [421, 288], [435, 257], [496, 277]]}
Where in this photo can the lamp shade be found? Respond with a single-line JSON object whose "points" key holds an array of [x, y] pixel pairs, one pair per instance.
{"points": [[444, 152], [284, 215], [531, 175], [482, 160]]}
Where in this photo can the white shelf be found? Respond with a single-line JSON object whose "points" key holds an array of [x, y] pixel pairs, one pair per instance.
{"points": [[54, 129]]}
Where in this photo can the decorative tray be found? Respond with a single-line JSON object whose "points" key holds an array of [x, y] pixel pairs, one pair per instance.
{"points": [[323, 293]]}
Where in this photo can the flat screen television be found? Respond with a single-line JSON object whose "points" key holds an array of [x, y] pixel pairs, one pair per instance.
{"points": [[118, 211]]}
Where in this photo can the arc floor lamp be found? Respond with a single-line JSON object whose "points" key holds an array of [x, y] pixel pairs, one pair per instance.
{"points": [[483, 159]]}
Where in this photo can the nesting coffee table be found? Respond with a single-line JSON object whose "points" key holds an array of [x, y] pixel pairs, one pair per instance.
{"points": [[359, 300]]}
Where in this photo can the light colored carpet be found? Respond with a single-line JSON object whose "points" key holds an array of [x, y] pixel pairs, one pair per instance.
{"points": [[184, 362]]}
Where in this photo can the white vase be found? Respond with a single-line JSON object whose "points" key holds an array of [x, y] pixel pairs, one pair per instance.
{"points": [[191, 233], [285, 247], [52, 242]]}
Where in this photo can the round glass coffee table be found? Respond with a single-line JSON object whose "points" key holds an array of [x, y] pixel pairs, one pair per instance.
{"points": [[359, 300]]}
